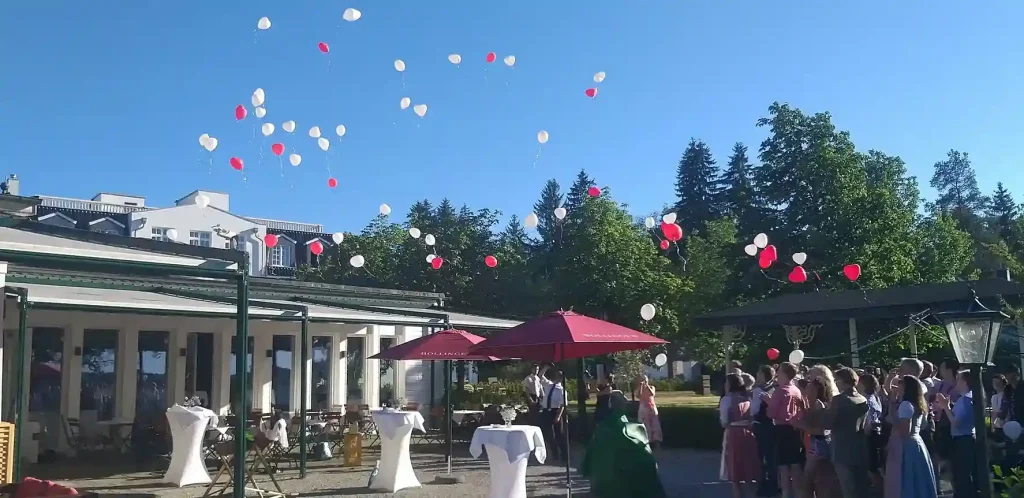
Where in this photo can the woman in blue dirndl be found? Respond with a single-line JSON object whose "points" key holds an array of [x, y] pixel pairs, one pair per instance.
{"points": [[909, 472]]}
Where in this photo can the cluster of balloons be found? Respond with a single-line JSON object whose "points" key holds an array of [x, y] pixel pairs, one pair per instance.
{"points": [[209, 143], [672, 232], [598, 78], [510, 60], [796, 356]]}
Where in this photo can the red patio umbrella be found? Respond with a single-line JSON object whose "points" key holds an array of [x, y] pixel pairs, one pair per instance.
{"points": [[560, 336], [445, 345]]}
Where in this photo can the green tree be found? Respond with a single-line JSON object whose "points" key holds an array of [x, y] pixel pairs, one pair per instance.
{"points": [[888, 238], [946, 249], [1004, 211], [696, 187], [544, 208], [958, 189]]}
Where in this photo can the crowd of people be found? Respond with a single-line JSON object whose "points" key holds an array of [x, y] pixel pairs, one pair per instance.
{"points": [[804, 432]]}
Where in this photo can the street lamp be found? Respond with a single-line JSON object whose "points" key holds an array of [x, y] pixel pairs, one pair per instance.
{"points": [[974, 334]]}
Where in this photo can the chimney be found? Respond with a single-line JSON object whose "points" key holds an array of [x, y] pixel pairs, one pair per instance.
{"points": [[13, 184]]}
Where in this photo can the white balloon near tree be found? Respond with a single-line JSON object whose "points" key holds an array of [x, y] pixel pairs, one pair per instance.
{"points": [[647, 311], [420, 110], [669, 218], [430, 258], [796, 357], [203, 138], [799, 258], [351, 15], [650, 222], [761, 240], [510, 60], [267, 129], [258, 97], [532, 220], [429, 240], [338, 237], [1012, 429], [263, 24], [323, 143], [288, 126], [599, 77], [314, 132], [560, 213], [404, 103], [357, 261], [385, 210], [750, 249], [295, 159], [414, 232], [260, 112], [660, 360], [340, 130], [211, 144]]}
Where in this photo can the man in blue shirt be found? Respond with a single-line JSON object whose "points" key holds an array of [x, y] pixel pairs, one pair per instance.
{"points": [[961, 417]]}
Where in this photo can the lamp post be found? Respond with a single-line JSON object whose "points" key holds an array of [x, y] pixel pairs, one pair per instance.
{"points": [[974, 334]]}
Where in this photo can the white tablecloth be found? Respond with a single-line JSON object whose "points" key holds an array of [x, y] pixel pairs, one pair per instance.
{"points": [[395, 429], [459, 415], [188, 426], [508, 450]]}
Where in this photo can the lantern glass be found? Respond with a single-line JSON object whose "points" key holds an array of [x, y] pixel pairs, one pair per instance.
{"points": [[973, 335]]}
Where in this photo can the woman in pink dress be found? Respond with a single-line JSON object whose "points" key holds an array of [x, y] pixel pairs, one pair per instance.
{"points": [[742, 466], [648, 411]]}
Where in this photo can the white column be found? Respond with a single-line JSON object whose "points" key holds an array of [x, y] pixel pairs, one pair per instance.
{"points": [[854, 344], [262, 368], [72, 371], [297, 372], [339, 369], [127, 372], [371, 368], [176, 367], [220, 398]]}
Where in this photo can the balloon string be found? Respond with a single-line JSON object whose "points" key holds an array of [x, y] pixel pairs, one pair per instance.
{"points": [[680, 255], [263, 142], [280, 163], [537, 158], [255, 37]]}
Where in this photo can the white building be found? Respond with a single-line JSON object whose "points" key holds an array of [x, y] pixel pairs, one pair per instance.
{"points": [[116, 346]]}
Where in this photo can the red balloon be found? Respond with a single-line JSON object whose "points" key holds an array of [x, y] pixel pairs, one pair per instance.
{"points": [[771, 253], [323, 47], [664, 245], [591, 92], [798, 275], [270, 240], [852, 272], [331, 182], [316, 248], [277, 149], [773, 354], [594, 191], [237, 163], [240, 112], [436, 263], [764, 261], [490, 261], [491, 56], [671, 231]]}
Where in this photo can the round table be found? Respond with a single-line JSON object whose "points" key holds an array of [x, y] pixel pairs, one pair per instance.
{"points": [[508, 450], [188, 428], [395, 430], [459, 415]]}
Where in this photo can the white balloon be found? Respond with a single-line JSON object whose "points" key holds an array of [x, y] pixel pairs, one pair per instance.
{"points": [[385, 209], [660, 360], [455, 58], [357, 261], [323, 143], [510, 60], [203, 138], [647, 311], [202, 200], [264, 23], [260, 112], [314, 132], [669, 218], [599, 77], [172, 234], [288, 126], [429, 239], [649, 222], [761, 241], [750, 249], [532, 220], [799, 258], [405, 103], [258, 97], [295, 159], [211, 144], [420, 109], [399, 65], [351, 15], [796, 357], [268, 129], [560, 213], [340, 130], [1012, 429], [430, 258], [338, 237], [542, 136], [414, 232]]}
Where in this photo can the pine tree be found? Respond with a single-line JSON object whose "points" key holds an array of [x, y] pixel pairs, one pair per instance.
{"points": [[544, 208], [958, 188], [1004, 210], [737, 197], [696, 187], [578, 192]]}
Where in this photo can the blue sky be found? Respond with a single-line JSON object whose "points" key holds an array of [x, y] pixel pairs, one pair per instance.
{"points": [[112, 96]]}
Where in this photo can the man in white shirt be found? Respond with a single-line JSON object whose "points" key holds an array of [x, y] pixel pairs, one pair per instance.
{"points": [[532, 386], [552, 408]]}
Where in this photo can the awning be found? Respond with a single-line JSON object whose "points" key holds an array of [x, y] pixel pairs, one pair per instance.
{"points": [[130, 301], [25, 241], [458, 320]]}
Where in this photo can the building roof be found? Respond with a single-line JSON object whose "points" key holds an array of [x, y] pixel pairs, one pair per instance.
{"points": [[892, 302]]}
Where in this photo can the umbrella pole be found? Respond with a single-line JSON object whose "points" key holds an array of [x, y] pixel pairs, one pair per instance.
{"points": [[448, 410], [568, 452]]}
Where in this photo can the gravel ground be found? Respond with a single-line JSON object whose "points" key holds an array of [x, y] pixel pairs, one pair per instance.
{"points": [[684, 473]]}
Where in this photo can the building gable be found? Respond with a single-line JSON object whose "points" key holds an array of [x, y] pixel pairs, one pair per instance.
{"points": [[58, 219]]}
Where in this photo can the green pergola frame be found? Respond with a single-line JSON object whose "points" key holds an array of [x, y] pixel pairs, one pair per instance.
{"points": [[239, 275]]}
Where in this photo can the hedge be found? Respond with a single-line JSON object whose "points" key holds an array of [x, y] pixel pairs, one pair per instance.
{"points": [[689, 427]]}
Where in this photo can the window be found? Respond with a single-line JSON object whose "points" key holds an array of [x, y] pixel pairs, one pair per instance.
{"points": [[321, 372], [283, 254], [248, 374], [99, 373], [151, 368], [199, 239], [281, 378], [160, 233], [355, 372], [44, 391], [387, 374]]}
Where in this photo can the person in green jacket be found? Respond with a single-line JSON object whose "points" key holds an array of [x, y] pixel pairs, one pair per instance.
{"points": [[619, 462]]}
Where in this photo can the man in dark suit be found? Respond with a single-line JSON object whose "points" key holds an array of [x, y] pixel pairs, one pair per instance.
{"points": [[846, 416]]}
